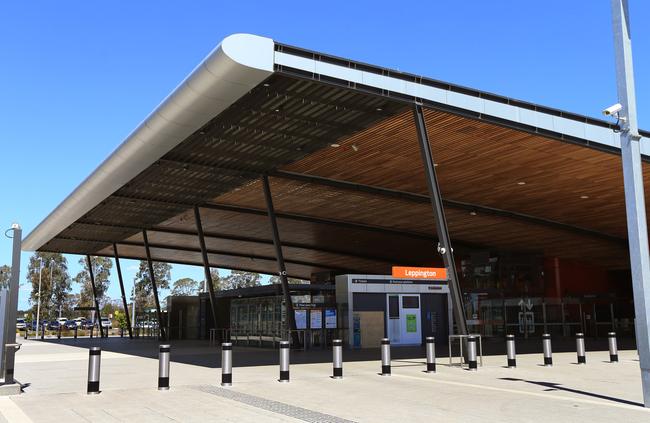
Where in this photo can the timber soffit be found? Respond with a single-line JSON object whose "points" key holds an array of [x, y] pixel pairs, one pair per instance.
{"points": [[270, 106]]}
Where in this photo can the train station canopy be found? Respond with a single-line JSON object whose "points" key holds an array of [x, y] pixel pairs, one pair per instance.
{"points": [[338, 142]]}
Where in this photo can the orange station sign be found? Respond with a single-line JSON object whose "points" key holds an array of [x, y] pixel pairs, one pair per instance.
{"points": [[420, 272]]}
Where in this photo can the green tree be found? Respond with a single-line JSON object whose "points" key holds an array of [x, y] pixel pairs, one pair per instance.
{"points": [[185, 287], [5, 274], [101, 271], [143, 286], [276, 280], [55, 282], [240, 279], [120, 318]]}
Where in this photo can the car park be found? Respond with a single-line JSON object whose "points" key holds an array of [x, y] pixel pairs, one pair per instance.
{"points": [[70, 325], [54, 325]]}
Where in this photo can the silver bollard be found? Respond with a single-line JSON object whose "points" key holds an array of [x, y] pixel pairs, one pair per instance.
{"points": [[226, 364], [163, 367], [510, 351], [580, 348], [284, 361], [94, 362], [471, 353], [548, 354], [385, 357], [337, 359], [431, 354], [613, 347]]}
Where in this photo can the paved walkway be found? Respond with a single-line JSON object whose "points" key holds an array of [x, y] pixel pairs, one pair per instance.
{"points": [[56, 377]]}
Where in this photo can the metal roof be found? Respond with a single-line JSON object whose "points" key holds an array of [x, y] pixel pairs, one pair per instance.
{"points": [[254, 106]]}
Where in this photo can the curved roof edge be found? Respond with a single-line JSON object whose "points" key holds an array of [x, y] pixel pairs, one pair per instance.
{"points": [[234, 67]]}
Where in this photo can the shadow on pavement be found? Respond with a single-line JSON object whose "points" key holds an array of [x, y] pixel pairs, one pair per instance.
{"points": [[559, 387], [200, 353]]}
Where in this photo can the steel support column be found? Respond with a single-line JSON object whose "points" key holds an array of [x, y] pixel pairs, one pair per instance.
{"points": [[637, 230], [124, 303], [206, 264], [282, 270], [153, 285], [98, 317], [444, 243]]}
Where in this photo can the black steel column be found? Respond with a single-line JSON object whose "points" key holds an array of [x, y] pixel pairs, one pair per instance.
{"points": [[98, 319], [444, 246], [119, 277], [153, 284], [206, 264], [282, 270]]}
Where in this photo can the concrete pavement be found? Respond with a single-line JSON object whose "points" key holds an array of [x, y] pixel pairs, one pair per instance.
{"points": [[56, 378]]}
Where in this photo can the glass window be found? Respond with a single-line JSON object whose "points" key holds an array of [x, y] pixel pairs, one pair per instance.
{"points": [[410, 302], [393, 307]]}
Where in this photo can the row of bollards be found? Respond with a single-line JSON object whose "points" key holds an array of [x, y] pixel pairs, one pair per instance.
{"points": [[94, 360], [548, 353]]}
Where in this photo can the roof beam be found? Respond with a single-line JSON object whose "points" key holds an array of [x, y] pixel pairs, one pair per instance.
{"points": [[183, 262], [460, 205], [239, 238], [209, 251]]}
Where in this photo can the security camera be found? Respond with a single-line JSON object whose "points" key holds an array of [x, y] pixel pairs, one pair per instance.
{"points": [[612, 110]]}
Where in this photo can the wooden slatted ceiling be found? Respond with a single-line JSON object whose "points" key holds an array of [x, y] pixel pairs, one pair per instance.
{"points": [[482, 230], [483, 163]]}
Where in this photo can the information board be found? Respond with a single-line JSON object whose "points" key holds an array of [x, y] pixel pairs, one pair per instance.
{"points": [[330, 318], [316, 319], [301, 319]]}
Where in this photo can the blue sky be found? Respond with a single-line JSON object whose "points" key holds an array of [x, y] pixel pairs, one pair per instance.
{"points": [[77, 76]]}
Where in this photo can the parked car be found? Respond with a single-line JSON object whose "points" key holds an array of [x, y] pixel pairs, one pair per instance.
{"points": [[54, 325], [70, 325], [79, 321], [87, 324], [62, 320], [20, 324], [43, 323], [106, 323]]}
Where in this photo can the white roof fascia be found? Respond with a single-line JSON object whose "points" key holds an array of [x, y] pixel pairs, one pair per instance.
{"points": [[538, 119], [238, 64]]}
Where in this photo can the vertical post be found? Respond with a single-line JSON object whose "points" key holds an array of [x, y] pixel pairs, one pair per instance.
{"points": [[124, 303], [11, 305], [94, 363], [337, 359], [385, 357], [444, 243], [548, 353], [153, 284], [98, 317], [510, 351], [226, 364], [580, 348], [634, 194], [431, 354], [613, 348], [284, 362], [282, 270], [471, 353], [163, 367], [206, 264]]}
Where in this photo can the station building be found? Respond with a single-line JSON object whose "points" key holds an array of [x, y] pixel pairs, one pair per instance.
{"points": [[280, 160]]}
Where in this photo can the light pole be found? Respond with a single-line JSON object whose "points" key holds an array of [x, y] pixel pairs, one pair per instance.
{"points": [[38, 306], [635, 209], [133, 305]]}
